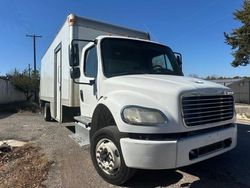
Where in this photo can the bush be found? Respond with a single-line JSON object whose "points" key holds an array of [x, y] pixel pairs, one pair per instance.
{"points": [[20, 106]]}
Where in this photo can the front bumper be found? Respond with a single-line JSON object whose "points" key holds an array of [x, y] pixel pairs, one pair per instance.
{"points": [[173, 153]]}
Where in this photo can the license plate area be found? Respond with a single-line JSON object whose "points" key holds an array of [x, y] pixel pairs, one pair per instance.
{"points": [[208, 149]]}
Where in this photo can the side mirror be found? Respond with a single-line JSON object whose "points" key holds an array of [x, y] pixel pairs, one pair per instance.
{"points": [[75, 72], [179, 61], [74, 55], [178, 57]]}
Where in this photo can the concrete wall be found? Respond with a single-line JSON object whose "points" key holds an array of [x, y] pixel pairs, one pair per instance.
{"points": [[8, 93], [241, 91]]}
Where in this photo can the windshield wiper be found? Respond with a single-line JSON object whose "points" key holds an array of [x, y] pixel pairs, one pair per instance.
{"points": [[128, 73]]}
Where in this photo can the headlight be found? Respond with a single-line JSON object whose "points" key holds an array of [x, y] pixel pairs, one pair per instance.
{"points": [[139, 115]]}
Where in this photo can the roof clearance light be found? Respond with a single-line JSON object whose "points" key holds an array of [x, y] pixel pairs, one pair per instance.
{"points": [[71, 19]]}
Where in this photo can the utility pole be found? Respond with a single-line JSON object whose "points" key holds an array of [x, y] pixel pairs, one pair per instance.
{"points": [[29, 70], [34, 49]]}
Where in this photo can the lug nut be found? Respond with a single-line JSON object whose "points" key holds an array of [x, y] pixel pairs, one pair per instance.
{"points": [[116, 153]]}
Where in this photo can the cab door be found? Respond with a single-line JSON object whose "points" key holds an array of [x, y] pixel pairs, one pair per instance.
{"points": [[88, 92]]}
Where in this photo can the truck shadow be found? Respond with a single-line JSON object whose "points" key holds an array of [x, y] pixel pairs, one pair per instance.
{"points": [[231, 169], [5, 114], [154, 178]]}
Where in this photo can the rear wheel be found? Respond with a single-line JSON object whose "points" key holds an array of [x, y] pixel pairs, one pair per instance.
{"points": [[107, 156], [46, 112]]}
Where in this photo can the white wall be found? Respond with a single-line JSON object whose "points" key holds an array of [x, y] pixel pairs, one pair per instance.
{"points": [[241, 91], [8, 93]]}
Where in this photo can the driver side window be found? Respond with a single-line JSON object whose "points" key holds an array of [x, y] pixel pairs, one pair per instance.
{"points": [[90, 66]]}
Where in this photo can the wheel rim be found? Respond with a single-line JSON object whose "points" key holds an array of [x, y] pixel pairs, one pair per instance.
{"points": [[108, 157]]}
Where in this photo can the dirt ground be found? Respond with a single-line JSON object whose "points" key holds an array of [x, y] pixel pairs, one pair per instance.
{"points": [[23, 166], [71, 165]]}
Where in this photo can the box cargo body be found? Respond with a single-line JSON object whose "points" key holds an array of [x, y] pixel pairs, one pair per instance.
{"points": [[57, 88]]}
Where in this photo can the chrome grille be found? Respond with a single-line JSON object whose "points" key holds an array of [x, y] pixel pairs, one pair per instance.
{"points": [[200, 110]]}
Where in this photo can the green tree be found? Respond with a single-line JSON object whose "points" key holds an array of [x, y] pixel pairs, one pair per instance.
{"points": [[26, 82], [239, 39]]}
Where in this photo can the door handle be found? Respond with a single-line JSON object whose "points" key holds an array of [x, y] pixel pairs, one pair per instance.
{"points": [[81, 95]]}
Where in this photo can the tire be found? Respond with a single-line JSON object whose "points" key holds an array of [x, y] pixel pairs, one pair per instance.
{"points": [[46, 112], [109, 137]]}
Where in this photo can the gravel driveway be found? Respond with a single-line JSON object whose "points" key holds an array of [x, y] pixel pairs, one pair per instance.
{"points": [[72, 166]]}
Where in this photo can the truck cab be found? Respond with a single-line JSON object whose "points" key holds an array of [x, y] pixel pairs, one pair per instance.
{"points": [[139, 111]]}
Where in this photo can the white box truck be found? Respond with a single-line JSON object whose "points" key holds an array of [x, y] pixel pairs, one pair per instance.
{"points": [[131, 101]]}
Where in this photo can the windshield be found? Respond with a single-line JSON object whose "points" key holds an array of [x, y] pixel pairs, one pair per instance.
{"points": [[126, 56]]}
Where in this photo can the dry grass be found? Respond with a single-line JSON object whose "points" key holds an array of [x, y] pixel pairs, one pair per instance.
{"points": [[23, 167]]}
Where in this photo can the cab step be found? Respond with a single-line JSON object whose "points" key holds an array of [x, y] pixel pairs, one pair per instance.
{"points": [[82, 129], [84, 120], [81, 135]]}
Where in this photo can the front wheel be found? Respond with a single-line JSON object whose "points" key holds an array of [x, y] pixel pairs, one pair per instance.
{"points": [[107, 156]]}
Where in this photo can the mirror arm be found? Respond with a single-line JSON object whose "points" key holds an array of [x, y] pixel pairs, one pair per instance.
{"points": [[91, 82]]}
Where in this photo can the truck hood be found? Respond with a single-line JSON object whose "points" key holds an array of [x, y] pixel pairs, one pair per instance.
{"points": [[162, 92], [163, 83]]}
